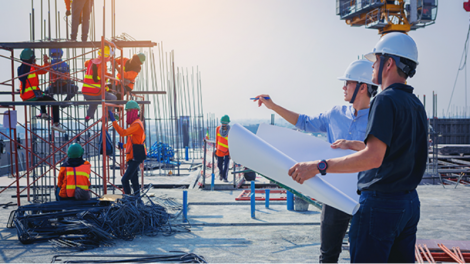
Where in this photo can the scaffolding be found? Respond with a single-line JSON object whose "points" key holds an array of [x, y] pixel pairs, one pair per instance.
{"points": [[175, 119]]}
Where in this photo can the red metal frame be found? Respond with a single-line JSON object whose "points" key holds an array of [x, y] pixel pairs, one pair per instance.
{"points": [[28, 129], [245, 195]]}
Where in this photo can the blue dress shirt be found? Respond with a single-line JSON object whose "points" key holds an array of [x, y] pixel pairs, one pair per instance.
{"points": [[338, 123]]}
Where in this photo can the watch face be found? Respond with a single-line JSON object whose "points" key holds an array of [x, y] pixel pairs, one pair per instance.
{"points": [[322, 165]]}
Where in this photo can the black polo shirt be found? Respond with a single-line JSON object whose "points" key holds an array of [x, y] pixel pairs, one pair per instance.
{"points": [[398, 119]]}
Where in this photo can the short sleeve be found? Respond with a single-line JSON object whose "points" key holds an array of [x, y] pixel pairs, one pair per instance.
{"points": [[313, 124], [381, 119]]}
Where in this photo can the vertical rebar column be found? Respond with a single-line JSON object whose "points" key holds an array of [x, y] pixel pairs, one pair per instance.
{"points": [[176, 114], [103, 107]]}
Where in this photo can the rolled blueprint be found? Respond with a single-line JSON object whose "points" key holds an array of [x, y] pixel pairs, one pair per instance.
{"points": [[303, 147], [253, 152]]}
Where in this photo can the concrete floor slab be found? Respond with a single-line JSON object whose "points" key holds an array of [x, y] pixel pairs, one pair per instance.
{"points": [[223, 231]]}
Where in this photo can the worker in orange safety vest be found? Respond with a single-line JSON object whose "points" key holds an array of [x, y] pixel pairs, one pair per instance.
{"points": [[131, 69], [135, 136], [221, 144], [28, 73], [75, 172], [92, 82]]}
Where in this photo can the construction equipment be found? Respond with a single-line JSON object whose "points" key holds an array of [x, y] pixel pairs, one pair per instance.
{"points": [[388, 16]]}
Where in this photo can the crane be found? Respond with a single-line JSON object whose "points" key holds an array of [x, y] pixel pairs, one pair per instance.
{"points": [[388, 15]]}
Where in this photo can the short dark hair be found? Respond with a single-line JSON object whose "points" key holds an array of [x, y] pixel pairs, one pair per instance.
{"points": [[372, 90], [405, 61]]}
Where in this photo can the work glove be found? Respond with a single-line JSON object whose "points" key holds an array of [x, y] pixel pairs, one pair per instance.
{"points": [[120, 145], [111, 116], [68, 13]]}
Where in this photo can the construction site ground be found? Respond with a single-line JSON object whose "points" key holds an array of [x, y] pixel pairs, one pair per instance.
{"points": [[223, 231]]}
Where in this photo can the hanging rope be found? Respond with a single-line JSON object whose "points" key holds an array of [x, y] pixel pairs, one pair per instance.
{"points": [[462, 65]]}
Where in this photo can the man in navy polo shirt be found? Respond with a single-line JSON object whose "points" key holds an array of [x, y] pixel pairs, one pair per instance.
{"points": [[392, 163], [345, 127]]}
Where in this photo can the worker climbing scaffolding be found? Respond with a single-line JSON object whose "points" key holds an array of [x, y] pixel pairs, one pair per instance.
{"points": [[131, 69]]}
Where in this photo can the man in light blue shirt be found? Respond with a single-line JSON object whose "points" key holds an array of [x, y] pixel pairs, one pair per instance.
{"points": [[346, 129]]}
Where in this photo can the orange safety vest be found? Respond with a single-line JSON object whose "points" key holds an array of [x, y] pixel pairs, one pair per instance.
{"points": [[222, 144], [31, 84], [83, 178], [129, 139], [127, 75], [90, 87]]}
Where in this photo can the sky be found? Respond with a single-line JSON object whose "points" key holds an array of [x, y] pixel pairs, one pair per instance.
{"points": [[293, 50]]}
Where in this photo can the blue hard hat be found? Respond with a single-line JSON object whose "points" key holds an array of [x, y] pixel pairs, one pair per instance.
{"points": [[57, 51]]}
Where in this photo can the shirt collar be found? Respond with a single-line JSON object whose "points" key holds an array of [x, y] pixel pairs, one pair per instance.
{"points": [[359, 113], [401, 86]]}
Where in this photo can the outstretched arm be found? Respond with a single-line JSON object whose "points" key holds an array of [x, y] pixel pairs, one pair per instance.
{"points": [[288, 115]]}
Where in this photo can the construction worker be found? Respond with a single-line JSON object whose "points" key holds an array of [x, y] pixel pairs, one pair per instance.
{"points": [[391, 165], [221, 144], [60, 84], [91, 89], [29, 86], [131, 68], [75, 172], [135, 136], [345, 127], [81, 10]]}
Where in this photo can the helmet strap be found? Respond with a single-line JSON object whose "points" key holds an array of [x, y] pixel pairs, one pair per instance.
{"points": [[405, 68], [355, 92], [381, 68]]}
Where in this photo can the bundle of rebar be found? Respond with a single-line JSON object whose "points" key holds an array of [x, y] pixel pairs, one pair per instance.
{"points": [[88, 224]]}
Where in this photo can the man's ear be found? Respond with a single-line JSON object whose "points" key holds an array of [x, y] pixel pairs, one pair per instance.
{"points": [[363, 88], [389, 64]]}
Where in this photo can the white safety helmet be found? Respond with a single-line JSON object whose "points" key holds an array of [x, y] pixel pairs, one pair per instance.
{"points": [[395, 43], [359, 71]]}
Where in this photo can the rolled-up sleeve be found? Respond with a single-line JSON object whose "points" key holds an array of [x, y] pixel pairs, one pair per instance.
{"points": [[313, 124]]}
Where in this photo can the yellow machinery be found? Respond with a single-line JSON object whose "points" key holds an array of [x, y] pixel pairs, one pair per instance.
{"points": [[386, 15]]}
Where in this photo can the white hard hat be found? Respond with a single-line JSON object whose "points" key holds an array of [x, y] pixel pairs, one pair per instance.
{"points": [[359, 71], [395, 43]]}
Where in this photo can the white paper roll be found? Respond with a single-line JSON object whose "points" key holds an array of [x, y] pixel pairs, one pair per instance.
{"points": [[303, 147], [253, 152]]}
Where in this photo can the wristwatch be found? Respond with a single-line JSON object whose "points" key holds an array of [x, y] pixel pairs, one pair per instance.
{"points": [[322, 166]]}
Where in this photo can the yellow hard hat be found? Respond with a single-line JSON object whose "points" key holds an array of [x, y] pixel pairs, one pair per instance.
{"points": [[107, 52]]}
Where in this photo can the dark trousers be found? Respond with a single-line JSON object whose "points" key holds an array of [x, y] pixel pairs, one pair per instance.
{"points": [[132, 175], [222, 164], [334, 224], [118, 91], [58, 198], [63, 87], [384, 228], [79, 6], [55, 108]]}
